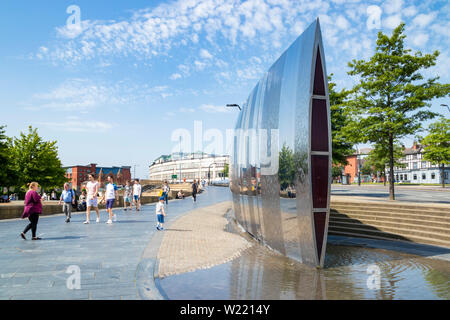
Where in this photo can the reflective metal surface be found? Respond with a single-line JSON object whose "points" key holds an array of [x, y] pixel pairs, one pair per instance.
{"points": [[262, 274], [282, 150]]}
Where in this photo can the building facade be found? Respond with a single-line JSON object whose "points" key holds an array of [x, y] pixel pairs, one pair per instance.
{"points": [[187, 167], [78, 175], [417, 170]]}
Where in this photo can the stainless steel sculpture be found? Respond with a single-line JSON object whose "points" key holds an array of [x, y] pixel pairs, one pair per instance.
{"points": [[281, 165]]}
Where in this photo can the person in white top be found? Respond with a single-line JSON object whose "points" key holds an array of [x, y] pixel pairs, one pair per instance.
{"points": [[91, 199], [137, 194], [110, 195]]}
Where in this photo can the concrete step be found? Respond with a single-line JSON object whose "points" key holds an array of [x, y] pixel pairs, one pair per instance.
{"points": [[381, 236], [395, 208], [402, 231], [437, 227], [419, 219], [381, 212]]}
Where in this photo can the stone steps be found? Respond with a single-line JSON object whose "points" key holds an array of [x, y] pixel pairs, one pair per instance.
{"points": [[422, 224]]}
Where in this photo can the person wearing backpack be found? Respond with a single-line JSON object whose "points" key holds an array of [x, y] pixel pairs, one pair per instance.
{"points": [[68, 197]]}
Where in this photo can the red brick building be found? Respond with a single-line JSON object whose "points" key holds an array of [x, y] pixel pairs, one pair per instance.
{"points": [[78, 175]]}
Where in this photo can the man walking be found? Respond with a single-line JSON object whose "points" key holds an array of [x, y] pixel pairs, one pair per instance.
{"points": [[127, 194], [110, 195], [91, 201], [137, 189], [194, 191], [166, 190], [69, 198]]}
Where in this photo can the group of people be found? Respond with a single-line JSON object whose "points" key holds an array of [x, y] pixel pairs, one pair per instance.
{"points": [[131, 196], [33, 201]]}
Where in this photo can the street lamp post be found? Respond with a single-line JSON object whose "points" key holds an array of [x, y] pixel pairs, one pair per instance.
{"points": [[233, 106]]}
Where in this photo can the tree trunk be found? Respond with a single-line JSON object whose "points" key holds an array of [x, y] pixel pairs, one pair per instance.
{"points": [[384, 178], [443, 175], [391, 168]]}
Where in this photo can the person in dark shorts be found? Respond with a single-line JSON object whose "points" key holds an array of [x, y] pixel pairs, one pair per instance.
{"points": [[160, 213], [194, 190], [110, 195]]}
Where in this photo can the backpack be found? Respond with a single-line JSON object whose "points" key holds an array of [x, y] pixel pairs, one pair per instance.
{"points": [[160, 193]]}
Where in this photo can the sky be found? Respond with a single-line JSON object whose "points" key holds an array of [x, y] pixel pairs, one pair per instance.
{"points": [[112, 81]]}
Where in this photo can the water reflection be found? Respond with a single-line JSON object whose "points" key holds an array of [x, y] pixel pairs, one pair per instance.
{"points": [[263, 274]]}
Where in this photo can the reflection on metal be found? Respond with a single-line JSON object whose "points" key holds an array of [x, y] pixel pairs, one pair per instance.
{"points": [[281, 167]]}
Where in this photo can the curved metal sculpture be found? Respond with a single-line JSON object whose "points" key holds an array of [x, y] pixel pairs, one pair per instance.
{"points": [[281, 165]]}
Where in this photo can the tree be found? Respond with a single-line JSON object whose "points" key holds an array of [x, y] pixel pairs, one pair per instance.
{"points": [[286, 169], [366, 169], [390, 100], [7, 174], [37, 160], [378, 158], [437, 145], [341, 144], [226, 170]]}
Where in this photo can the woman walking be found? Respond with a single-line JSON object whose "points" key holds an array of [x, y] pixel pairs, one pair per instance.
{"points": [[32, 210]]}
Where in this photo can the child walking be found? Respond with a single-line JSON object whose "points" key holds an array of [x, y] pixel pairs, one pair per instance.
{"points": [[160, 213]]}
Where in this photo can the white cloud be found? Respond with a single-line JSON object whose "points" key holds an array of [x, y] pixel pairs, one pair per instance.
{"points": [[214, 109], [79, 126], [175, 76], [410, 11], [392, 6], [422, 20], [187, 110], [392, 22], [342, 23], [205, 54], [419, 39]]}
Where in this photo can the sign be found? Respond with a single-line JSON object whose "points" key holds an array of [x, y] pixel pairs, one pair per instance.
{"points": [[174, 176]]}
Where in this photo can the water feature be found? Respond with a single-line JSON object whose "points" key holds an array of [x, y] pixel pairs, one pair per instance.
{"points": [[260, 273]]}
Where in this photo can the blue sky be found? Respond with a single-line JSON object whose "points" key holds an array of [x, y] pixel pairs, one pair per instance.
{"points": [[112, 89]]}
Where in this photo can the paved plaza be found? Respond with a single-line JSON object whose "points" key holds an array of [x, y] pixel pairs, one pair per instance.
{"points": [[108, 256], [422, 194]]}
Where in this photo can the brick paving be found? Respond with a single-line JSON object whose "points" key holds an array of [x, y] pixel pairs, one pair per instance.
{"points": [[198, 240]]}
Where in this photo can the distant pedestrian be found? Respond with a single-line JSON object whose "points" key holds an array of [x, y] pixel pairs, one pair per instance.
{"points": [[194, 190], [137, 189], [127, 195], [160, 213], [91, 201], [166, 190], [53, 197], [110, 195], [68, 197], [32, 210]]}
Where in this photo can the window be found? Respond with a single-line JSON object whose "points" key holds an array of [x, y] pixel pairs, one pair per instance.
{"points": [[424, 176], [406, 177], [446, 175], [433, 176], [415, 156], [415, 177], [424, 164], [415, 165]]}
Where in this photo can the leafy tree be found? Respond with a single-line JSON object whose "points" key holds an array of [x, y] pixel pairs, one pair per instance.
{"points": [[37, 160], [437, 145], [378, 158], [367, 169], [286, 170], [7, 174], [226, 170], [390, 100], [341, 144]]}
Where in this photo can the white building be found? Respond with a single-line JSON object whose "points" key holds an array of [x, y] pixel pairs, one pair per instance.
{"points": [[199, 166], [418, 170]]}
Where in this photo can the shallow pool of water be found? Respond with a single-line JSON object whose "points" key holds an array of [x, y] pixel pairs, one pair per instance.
{"points": [[350, 272]]}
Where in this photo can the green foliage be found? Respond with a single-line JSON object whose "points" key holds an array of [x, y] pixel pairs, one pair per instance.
{"points": [[437, 143], [367, 169], [226, 170], [390, 100], [378, 157], [286, 170], [336, 171], [36, 160], [341, 144], [7, 174]]}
